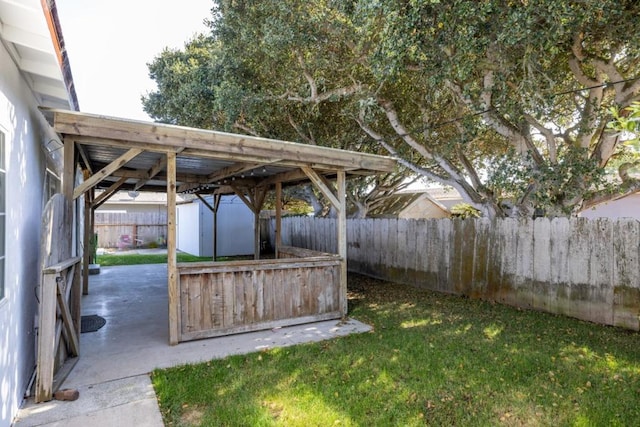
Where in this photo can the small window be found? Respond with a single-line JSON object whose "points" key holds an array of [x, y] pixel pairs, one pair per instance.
{"points": [[3, 175]]}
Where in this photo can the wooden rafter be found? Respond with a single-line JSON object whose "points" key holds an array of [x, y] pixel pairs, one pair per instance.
{"points": [[243, 197], [150, 136], [155, 170], [106, 171], [106, 194], [322, 185], [203, 200]]}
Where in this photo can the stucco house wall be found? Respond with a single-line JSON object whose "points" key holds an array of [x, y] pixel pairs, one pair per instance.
{"points": [[34, 72], [27, 137]]}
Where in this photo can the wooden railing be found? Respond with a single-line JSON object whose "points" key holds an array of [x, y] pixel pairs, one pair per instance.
{"points": [[58, 325], [221, 298]]}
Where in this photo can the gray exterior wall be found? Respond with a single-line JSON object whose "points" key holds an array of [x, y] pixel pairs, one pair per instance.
{"points": [[27, 136]]}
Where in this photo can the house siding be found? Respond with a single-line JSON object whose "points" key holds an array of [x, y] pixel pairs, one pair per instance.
{"points": [[26, 135], [626, 207]]}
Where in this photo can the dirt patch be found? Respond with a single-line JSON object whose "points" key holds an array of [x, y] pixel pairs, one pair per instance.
{"points": [[191, 416]]}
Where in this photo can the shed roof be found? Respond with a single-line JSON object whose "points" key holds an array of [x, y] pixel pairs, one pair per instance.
{"points": [[132, 155]]}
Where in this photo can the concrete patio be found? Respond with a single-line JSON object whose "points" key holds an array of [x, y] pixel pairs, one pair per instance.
{"points": [[112, 374]]}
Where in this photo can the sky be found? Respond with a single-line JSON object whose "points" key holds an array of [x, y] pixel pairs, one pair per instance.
{"points": [[109, 44]]}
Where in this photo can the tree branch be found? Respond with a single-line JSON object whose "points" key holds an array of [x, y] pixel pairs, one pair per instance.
{"points": [[301, 134], [245, 129], [578, 57], [548, 136]]}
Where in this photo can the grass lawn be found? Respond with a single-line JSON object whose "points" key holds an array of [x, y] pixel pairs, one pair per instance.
{"points": [[107, 260], [431, 359]]}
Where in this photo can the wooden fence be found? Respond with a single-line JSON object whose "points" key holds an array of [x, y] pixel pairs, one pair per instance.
{"points": [[132, 229], [588, 269]]}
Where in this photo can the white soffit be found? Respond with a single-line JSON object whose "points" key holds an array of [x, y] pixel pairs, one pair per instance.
{"points": [[25, 34]]}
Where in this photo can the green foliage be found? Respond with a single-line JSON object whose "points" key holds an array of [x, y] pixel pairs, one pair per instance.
{"points": [[454, 89], [465, 211], [430, 359], [547, 185], [186, 91], [627, 120]]}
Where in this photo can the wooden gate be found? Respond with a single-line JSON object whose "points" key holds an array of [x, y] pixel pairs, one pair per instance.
{"points": [[59, 296]]}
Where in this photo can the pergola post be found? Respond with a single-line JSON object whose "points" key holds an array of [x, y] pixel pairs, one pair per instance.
{"points": [[68, 176], [342, 239], [216, 205], [88, 238], [172, 266], [278, 241]]}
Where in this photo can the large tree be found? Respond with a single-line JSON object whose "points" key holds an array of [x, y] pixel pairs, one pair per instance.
{"points": [[539, 76], [508, 102], [239, 79]]}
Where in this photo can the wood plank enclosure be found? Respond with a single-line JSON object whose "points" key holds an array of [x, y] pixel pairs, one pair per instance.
{"points": [[222, 298]]}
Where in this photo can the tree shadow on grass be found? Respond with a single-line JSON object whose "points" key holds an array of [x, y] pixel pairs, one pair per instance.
{"points": [[431, 359]]}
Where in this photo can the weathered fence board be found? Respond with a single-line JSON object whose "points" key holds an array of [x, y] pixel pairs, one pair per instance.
{"points": [[240, 296], [143, 228], [589, 269]]}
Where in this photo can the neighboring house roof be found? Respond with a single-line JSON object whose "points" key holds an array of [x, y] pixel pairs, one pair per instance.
{"points": [[411, 204], [34, 41], [428, 203], [143, 198], [447, 196], [623, 207]]}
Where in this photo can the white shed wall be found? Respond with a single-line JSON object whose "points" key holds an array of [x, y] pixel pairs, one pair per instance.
{"points": [[235, 227], [188, 228], [26, 135]]}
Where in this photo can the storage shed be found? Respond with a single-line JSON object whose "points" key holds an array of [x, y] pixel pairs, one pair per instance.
{"points": [[230, 223]]}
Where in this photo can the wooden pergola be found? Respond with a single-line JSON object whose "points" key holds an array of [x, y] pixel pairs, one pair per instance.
{"points": [[118, 154]]}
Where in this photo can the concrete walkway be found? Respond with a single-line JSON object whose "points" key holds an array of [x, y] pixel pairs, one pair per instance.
{"points": [[112, 374]]}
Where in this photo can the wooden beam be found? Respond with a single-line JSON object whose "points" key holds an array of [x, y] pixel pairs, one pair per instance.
{"points": [[216, 206], [232, 170], [259, 194], [172, 269], [278, 241], [106, 194], [68, 175], [242, 146], [342, 240], [106, 171], [244, 198], [46, 338], [142, 174], [67, 319], [86, 253], [321, 185], [126, 144], [294, 175], [203, 200], [261, 161], [85, 158], [155, 170]]}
